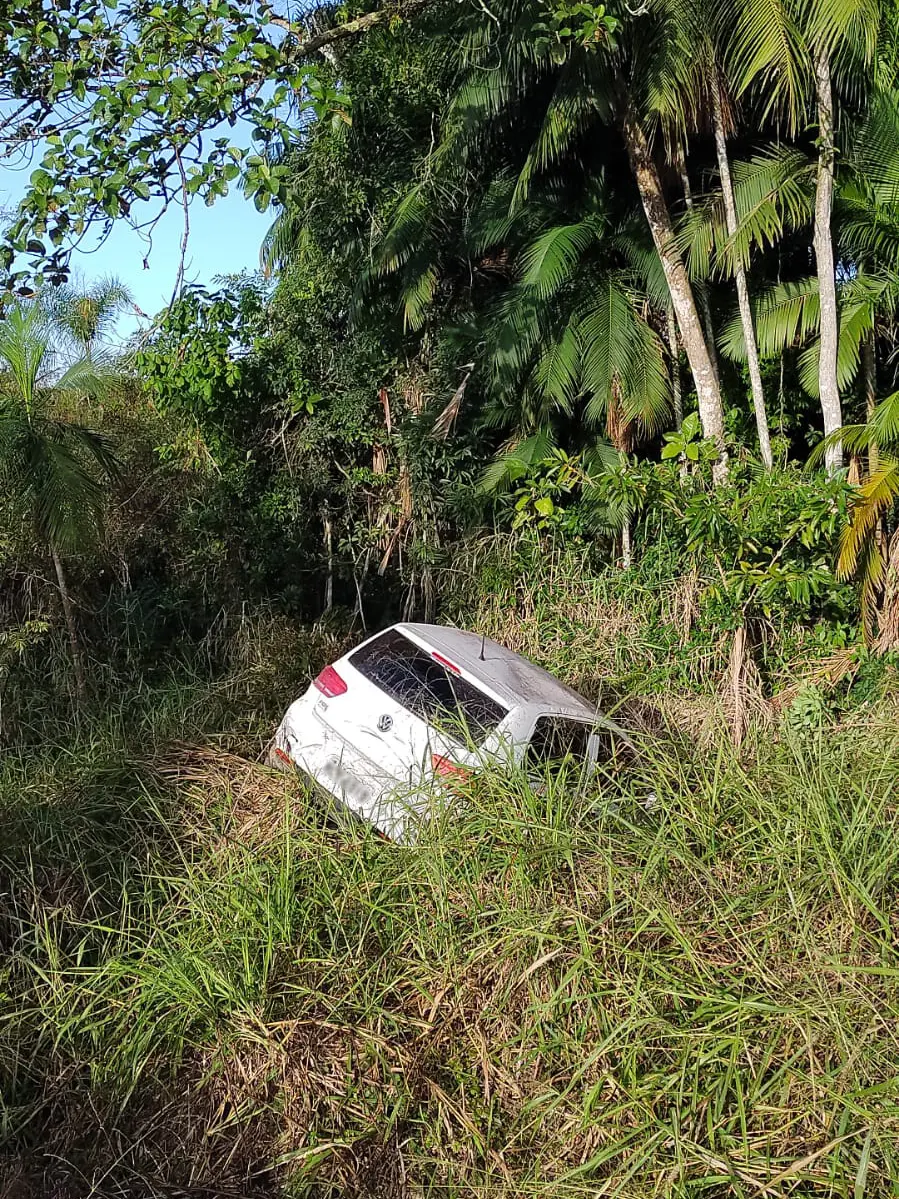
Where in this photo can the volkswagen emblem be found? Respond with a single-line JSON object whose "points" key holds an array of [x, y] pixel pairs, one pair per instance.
{"points": [[385, 723]]}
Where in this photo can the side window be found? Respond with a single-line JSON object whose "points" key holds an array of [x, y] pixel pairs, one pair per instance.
{"points": [[555, 738]]}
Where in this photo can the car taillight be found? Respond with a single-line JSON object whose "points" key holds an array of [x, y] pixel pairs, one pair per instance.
{"points": [[330, 683], [447, 769]]}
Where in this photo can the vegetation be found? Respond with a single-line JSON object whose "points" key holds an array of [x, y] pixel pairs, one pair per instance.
{"points": [[575, 325]]}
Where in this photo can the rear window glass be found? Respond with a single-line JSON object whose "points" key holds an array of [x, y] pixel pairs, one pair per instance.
{"points": [[411, 677]]}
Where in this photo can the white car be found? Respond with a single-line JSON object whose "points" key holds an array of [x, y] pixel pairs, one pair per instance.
{"points": [[418, 706]]}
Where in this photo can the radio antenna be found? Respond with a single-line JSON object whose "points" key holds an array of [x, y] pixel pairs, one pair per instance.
{"points": [[483, 643]]}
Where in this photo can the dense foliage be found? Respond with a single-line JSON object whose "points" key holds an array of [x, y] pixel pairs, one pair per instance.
{"points": [[575, 324]]}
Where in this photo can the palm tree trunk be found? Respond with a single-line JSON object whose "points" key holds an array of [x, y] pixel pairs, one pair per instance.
{"points": [[329, 553], [711, 411], [702, 295], [627, 549], [752, 350], [827, 284], [676, 393], [869, 372], [69, 613]]}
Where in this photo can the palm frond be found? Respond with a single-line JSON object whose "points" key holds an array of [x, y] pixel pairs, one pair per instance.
{"points": [[25, 349], [417, 295], [773, 193], [558, 367], [549, 262], [856, 323], [621, 351], [580, 96], [844, 27], [767, 51], [874, 152], [784, 315], [516, 459], [97, 378], [874, 498]]}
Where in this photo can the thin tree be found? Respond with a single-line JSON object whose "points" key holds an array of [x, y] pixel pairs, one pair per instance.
{"points": [[732, 224], [828, 383], [57, 469], [658, 216], [787, 50]]}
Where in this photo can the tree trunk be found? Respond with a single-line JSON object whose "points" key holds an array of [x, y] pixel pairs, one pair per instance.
{"points": [[627, 549], [329, 552], [827, 284], [711, 412], [752, 350], [68, 612], [702, 296], [869, 371], [676, 394]]}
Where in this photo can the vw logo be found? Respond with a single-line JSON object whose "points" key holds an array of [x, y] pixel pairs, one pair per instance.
{"points": [[385, 723]]}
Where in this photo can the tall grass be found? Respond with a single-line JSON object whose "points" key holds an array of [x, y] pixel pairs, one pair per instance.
{"points": [[206, 988]]}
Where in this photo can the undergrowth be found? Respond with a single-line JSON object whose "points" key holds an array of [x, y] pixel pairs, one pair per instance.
{"points": [[206, 988], [685, 983]]}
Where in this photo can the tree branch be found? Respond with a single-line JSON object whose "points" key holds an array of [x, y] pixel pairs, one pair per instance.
{"points": [[310, 45]]}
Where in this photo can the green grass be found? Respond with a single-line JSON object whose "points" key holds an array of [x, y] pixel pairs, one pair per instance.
{"points": [[204, 988]]}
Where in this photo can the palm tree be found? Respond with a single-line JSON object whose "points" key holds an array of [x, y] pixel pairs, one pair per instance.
{"points": [[84, 315], [789, 50], [862, 550], [776, 193], [56, 468], [732, 225], [695, 93], [551, 106]]}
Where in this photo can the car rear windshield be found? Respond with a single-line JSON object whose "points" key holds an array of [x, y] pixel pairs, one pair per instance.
{"points": [[411, 677]]}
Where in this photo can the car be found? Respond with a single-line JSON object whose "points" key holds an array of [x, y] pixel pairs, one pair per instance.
{"points": [[419, 707]]}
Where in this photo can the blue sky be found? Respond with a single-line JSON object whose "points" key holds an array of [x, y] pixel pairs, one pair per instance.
{"points": [[224, 239]]}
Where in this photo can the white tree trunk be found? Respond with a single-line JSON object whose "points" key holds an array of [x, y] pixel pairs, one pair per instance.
{"points": [[676, 393], [711, 411], [752, 351], [627, 549], [702, 295], [827, 284]]}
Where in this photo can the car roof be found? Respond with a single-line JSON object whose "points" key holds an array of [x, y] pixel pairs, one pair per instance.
{"points": [[511, 678]]}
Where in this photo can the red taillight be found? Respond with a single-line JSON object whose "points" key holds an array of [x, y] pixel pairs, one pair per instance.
{"points": [[445, 662], [447, 769], [285, 758], [330, 683]]}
